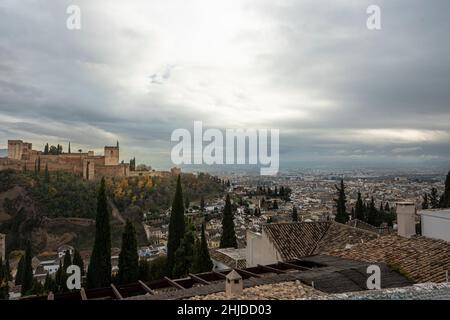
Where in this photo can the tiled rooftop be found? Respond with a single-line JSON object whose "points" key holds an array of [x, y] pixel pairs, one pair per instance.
{"points": [[294, 240], [421, 259]]}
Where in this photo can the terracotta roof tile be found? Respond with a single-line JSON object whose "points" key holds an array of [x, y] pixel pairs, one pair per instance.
{"points": [[420, 258], [295, 240]]}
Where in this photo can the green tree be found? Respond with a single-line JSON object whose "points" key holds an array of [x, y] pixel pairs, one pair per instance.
{"points": [[78, 261], [60, 278], [158, 268], [4, 286], [294, 214], [359, 208], [128, 257], [176, 227], [99, 272], [20, 268], [445, 198], [202, 260], [275, 205], [46, 148], [184, 256], [202, 204], [372, 216], [7, 269], [425, 204], [50, 284], [27, 272], [46, 174], [434, 199], [228, 238], [341, 211], [144, 270], [69, 151]]}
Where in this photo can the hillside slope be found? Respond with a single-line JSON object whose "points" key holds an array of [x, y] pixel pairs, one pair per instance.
{"points": [[61, 209]]}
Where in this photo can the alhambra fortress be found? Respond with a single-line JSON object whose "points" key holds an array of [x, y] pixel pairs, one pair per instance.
{"points": [[21, 156]]}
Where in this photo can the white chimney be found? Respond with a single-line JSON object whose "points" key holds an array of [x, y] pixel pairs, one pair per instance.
{"points": [[406, 219], [234, 284]]}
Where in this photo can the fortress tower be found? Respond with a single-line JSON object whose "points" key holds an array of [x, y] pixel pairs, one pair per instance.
{"points": [[19, 150], [112, 155]]}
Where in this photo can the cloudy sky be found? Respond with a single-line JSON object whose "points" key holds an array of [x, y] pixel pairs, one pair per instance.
{"points": [[138, 69]]}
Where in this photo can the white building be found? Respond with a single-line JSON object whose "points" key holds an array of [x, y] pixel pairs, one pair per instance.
{"points": [[436, 223]]}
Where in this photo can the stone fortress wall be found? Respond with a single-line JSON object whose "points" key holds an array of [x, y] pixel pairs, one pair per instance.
{"points": [[21, 156]]}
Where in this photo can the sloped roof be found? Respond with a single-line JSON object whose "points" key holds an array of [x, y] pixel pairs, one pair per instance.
{"points": [[295, 240], [339, 236], [231, 257], [420, 258]]}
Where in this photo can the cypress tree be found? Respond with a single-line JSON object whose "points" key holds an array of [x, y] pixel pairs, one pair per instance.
{"points": [[39, 165], [20, 268], [2, 270], [341, 213], [202, 260], [387, 208], [27, 273], [46, 174], [59, 278], [7, 269], [434, 199], [228, 238], [99, 272], [46, 148], [144, 270], [78, 261], [184, 256], [4, 286], [425, 204], [50, 284], [359, 208], [176, 227], [445, 198], [202, 204], [69, 149], [372, 217], [294, 214], [128, 257], [66, 264], [275, 205]]}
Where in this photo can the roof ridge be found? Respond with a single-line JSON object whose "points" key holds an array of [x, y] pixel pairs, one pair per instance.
{"points": [[317, 243]]}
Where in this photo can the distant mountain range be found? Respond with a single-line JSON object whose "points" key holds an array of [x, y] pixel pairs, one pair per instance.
{"points": [[3, 152]]}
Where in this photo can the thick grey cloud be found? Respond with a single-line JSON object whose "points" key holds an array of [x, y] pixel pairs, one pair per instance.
{"points": [[338, 92]]}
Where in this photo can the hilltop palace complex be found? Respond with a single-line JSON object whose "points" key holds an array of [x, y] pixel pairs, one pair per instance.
{"points": [[21, 156]]}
